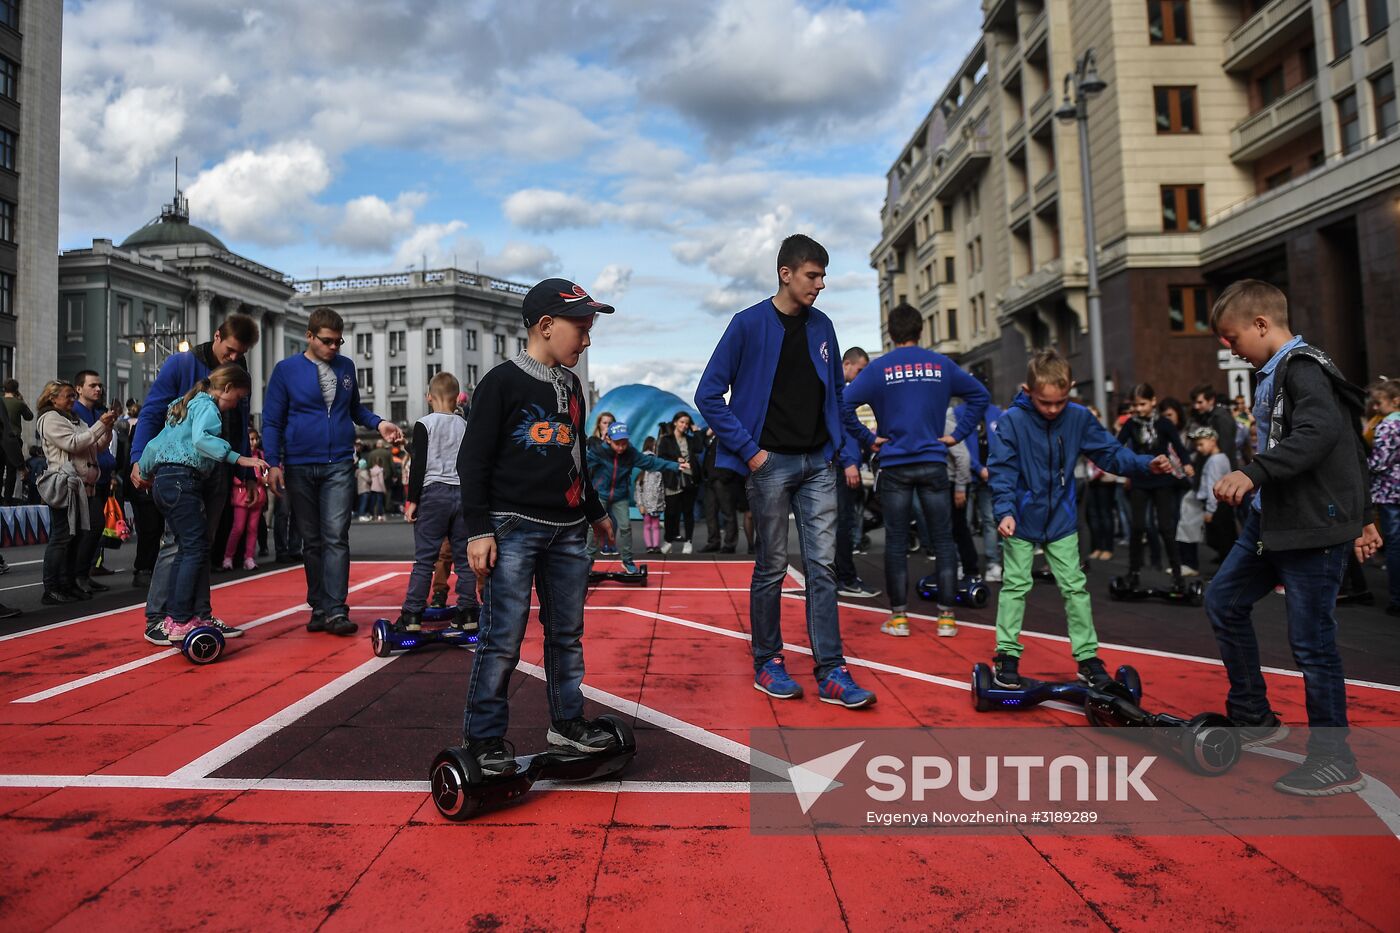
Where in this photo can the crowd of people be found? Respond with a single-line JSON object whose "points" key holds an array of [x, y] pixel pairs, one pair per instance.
{"points": [[512, 493]]}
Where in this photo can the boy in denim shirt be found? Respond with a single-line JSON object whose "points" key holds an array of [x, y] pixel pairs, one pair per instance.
{"points": [[1304, 502]]}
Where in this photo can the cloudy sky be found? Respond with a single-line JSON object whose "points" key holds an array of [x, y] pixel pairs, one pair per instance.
{"points": [[655, 151]]}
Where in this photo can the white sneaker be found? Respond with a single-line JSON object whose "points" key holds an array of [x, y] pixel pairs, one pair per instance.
{"points": [[364, 518], [993, 574], [688, 548], [1189, 571]]}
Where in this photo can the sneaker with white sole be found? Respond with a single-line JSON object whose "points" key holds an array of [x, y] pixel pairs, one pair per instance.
{"points": [[993, 574], [774, 680], [688, 548], [176, 631], [249, 564], [1189, 571], [857, 590], [839, 688], [581, 735], [1322, 776], [155, 633], [896, 625], [226, 630], [1268, 731], [947, 624]]}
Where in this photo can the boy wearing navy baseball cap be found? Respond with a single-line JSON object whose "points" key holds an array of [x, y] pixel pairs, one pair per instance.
{"points": [[610, 468], [528, 507]]}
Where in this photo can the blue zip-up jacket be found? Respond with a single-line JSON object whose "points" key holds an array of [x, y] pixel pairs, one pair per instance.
{"points": [[177, 376], [611, 472], [744, 363], [297, 428], [1032, 465], [910, 388], [105, 461], [990, 417], [854, 444]]}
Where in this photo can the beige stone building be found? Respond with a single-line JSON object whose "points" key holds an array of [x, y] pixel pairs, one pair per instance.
{"points": [[1231, 140]]}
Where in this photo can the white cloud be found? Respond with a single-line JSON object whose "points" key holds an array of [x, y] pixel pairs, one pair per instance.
{"points": [[369, 224], [612, 282], [522, 261], [680, 376], [542, 210], [440, 245], [262, 196]]}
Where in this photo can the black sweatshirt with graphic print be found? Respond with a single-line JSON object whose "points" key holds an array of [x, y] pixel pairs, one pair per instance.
{"points": [[523, 453]]}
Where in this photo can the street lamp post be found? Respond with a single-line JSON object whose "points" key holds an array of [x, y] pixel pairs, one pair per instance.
{"points": [[1085, 82], [161, 341]]}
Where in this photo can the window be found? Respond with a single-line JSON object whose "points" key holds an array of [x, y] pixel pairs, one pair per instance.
{"points": [[949, 270], [977, 254], [1183, 209], [1309, 61], [76, 307], [1270, 86], [952, 323], [982, 308], [1176, 109], [1169, 22], [1188, 309], [365, 377], [1281, 177], [8, 144], [471, 339], [364, 346], [7, 362], [124, 314], [472, 373], [974, 202], [947, 219], [520, 344], [500, 344], [935, 324], [1383, 92], [7, 221], [9, 13], [398, 411], [9, 78], [398, 342], [433, 370], [1349, 122], [1377, 16], [123, 387], [398, 378], [434, 335], [1341, 28]]}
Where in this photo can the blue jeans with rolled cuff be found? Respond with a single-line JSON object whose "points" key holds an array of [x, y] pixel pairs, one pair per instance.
{"points": [[178, 491], [900, 487]]}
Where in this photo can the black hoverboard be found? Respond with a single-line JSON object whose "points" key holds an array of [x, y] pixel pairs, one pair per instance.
{"points": [[460, 790], [384, 639], [972, 592], [618, 576], [986, 695], [1208, 743], [1191, 594]]}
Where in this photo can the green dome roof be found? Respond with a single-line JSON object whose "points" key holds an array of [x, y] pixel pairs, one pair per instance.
{"points": [[171, 231]]}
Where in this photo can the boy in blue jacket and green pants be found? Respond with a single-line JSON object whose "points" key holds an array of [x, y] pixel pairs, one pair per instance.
{"points": [[1033, 450]]}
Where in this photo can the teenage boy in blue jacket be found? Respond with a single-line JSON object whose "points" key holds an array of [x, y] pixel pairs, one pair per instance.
{"points": [[233, 341], [610, 469], [782, 427], [309, 416], [909, 389], [1037, 441]]}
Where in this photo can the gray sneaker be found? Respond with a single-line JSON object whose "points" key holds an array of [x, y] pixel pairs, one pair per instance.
{"points": [[495, 757], [1268, 731], [226, 630], [580, 735]]}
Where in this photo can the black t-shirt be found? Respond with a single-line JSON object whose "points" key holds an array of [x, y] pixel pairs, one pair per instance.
{"points": [[795, 423]]}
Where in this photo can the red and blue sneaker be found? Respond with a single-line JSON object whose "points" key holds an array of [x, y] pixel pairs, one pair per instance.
{"points": [[773, 680], [838, 687]]}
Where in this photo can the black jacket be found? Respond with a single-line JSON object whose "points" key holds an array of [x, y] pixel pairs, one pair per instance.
{"points": [[668, 449], [1313, 468]]}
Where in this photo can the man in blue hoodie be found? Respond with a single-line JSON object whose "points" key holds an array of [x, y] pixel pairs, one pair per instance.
{"points": [[309, 417], [236, 336], [1034, 448], [909, 389], [782, 427]]}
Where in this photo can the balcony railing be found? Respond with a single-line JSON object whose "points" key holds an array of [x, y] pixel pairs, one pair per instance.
{"points": [[1019, 208], [1048, 186], [1259, 35], [1042, 108], [1286, 118], [964, 161], [1034, 33]]}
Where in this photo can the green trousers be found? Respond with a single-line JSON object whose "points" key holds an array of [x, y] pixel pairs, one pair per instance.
{"points": [[1017, 555]]}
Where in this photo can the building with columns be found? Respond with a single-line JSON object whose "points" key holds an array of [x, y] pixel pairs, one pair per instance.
{"points": [[123, 309], [401, 329]]}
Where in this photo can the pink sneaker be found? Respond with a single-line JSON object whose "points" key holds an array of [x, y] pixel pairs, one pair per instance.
{"points": [[248, 564], [227, 564], [176, 631]]}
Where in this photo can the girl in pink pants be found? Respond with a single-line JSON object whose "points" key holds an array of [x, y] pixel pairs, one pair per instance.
{"points": [[249, 499]]}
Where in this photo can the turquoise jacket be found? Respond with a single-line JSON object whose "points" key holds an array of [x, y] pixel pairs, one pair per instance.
{"points": [[195, 442]]}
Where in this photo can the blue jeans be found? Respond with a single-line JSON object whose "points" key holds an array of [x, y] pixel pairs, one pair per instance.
{"points": [[178, 491], [322, 495], [362, 503], [214, 489], [847, 519], [553, 559], [1311, 578], [899, 485], [980, 502], [1390, 531], [804, 484], [439, 516]]}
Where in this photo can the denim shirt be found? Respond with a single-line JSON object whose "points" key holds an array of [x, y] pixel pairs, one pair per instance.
{"points": [[1264, 401]]}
